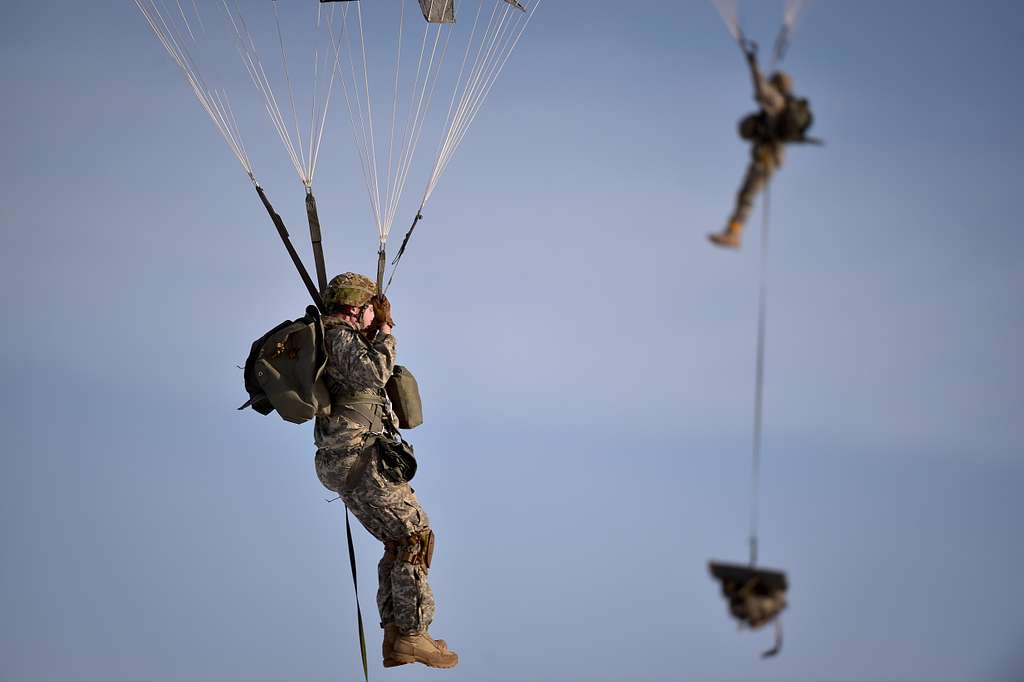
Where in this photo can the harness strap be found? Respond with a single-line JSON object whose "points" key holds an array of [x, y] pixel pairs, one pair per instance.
{"points": [[373, 418]]}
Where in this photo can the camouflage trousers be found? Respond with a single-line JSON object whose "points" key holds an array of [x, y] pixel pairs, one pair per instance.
{"points": [[765, 159], [390, 512]]}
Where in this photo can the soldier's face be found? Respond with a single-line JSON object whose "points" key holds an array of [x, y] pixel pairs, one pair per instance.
{"points": [[367, 317]]}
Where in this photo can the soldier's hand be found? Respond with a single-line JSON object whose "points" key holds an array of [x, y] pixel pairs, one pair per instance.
{"points": [[749, 48], [382, 312]]}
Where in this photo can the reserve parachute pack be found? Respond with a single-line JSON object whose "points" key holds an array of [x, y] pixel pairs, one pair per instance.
{"points": [[285, 370]]}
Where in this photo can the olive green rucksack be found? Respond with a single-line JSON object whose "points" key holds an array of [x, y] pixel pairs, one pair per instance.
{"points": [[285, 368]]}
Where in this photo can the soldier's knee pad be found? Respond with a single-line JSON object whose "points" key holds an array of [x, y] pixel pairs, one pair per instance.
{"points": [[416, 548]]}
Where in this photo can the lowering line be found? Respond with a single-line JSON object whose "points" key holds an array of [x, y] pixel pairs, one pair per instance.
{"points": [[762, 323], [355, 584], [755, 478]]}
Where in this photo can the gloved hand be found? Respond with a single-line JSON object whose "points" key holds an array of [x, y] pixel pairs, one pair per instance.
{"points": [[382, 311]]}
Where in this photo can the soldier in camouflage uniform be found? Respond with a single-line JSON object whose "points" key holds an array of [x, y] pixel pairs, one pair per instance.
{"points": [[351, 462], [766, 152]]}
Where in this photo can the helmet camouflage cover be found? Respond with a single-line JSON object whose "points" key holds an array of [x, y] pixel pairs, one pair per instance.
{"points": [[349, 288]]}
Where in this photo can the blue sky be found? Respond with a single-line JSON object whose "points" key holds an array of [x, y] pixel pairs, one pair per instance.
{"points": [[586, 360]]}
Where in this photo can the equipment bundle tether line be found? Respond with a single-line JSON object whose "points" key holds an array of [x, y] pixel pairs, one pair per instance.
{"points": [[762, 323]]}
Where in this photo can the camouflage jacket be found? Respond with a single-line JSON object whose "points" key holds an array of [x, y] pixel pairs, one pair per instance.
{"points": [[355, 367]]}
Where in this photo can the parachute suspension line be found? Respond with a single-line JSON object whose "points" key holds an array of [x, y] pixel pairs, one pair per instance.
{"points": [[729, 9], [422, 108], [762, 323], [452, 125], [790, 17], [184, 20], [291, 94], [489, 39], [316, 87], [385, 193], [358, 123], [448, 125], [496, 44], [199, 17], [296, 147], [396, 97], [246, 46], [503, 41], [315, 153], [369, 116], [215, 103], [494, 49], [361, 123]]}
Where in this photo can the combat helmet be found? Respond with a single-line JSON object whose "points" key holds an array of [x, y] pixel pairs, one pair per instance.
{"points": [[349, 288]]}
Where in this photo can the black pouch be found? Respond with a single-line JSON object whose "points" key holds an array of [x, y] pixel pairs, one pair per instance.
{"points": [[397, 462]]}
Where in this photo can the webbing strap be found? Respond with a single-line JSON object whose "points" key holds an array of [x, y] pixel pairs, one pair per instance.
{"points": [[282, 231], [355, 584], [316, 239]]}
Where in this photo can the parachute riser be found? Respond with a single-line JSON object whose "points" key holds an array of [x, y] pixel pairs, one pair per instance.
{"points": [[316, 239], [401, 249], [381, 261], [282, 231]]}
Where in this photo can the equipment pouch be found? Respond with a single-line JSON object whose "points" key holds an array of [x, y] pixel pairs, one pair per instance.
{"points": [[397, 463], [404, 393]]}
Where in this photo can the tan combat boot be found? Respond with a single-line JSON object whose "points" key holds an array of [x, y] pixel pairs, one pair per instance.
{"points": [[390, 634], [388, 645], [729, 238], [419, 649]]}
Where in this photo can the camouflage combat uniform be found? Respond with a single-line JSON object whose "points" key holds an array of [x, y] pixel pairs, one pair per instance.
{"points": [[766, 155], [357, 371]]}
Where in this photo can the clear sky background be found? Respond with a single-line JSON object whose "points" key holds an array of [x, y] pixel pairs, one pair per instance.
{"points": [[585, 357]]}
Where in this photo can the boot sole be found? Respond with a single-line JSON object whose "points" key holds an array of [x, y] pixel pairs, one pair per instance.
{"points": [[718, 241], [398, 659]]}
